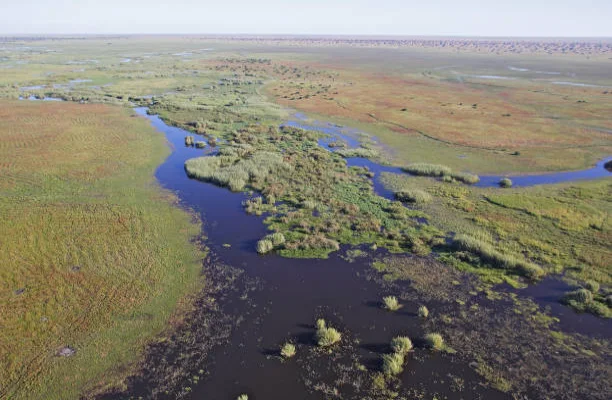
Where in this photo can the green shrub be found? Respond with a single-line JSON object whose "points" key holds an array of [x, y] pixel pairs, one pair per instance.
{"points": [[264, 246], [401, 344], [276, 238], [423, 312], [425, 169], [288, 350], [593, 286], [391, 303], [326, 336], [188, 140], [434, 341], [505, 183], [413, 196], [393, 364], [580, 295], [243, 397], [200, 144]]}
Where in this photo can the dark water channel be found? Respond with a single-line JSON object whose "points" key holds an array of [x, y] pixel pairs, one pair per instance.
{"points": [[295, 293]]}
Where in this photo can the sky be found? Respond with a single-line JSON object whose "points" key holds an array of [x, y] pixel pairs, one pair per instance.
{"points": [[529, 18]]}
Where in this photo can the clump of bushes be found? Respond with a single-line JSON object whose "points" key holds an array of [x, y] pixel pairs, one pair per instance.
{"points": [[581, 295], [326, 336], [424, 169], [393, 364], [505, 183], [434, 341], [441, 171], [391, 303], [413, 196], [401, 344], [264, 246], [488, 254], [359, 152], [423, 312], [288, 350], [276, 238]]}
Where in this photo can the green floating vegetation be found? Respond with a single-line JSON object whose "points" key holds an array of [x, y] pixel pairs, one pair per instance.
{"points": [[441, 171], [488, 254]]}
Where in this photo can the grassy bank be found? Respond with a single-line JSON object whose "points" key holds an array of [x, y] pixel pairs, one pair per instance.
{"points": [[94, 257]]}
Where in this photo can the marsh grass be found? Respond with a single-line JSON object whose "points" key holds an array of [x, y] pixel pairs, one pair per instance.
{"points": [[391, 303], [435, 341], [288, 350], [264, 246], [401, 344], [441, 171], [488, 254], [413, 196], [326, 336], [106, 246], [393, 364], [358, 152], [423, 312]]}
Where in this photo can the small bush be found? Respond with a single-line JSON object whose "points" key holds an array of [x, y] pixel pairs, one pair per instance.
{"points": [[288, 350], [423, 312], [242, 397], [401, 344], [391, 303], [188, 140], [505, 183], [326, 336], [434, 341], [200, 145], [592, 286], [264, 246], [393, 364], [413, 196]]}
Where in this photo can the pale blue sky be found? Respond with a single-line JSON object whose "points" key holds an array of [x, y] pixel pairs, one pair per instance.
{"points": [[367, 17]]}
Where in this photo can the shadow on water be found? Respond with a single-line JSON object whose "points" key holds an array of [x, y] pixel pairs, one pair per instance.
{"points": [[295, 293]]}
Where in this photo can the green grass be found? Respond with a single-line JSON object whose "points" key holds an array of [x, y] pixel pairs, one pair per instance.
{"points": [[102, 254], [391, 303], [434, 341], [393, 364], [288, 350], [326, 336], [401, 344], [423, 312]]}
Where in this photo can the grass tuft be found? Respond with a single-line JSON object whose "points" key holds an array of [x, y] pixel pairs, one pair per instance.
{"points": [[391, 303], [326, 336], [393, 364], [505, 183], [288, 350], [401, 344], [434, 341]]}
